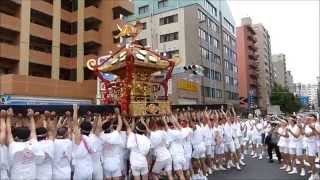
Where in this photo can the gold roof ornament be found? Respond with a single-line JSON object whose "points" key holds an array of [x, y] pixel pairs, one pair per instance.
{"points": [[129, 30]]}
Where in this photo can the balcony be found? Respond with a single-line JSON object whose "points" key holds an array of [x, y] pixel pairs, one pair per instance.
{"points": [[39, 57], [45, 87], [92, 11], [253, 73], [252, 46], [252, 38], [250, 29], [68, 63], [68, 39], [92, 36], [9, 22], [68, 16], [253, 55], [9, 51], [253, 64], [42, 6], [41, 31], [253, 82]]}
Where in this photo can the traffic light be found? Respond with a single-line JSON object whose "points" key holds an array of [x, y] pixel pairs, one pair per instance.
{"points": [[196, 69]]}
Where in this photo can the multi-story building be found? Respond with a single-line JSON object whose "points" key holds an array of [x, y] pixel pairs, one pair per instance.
{"points": [[289, 82], [310, 91], [301, 89], [44, 45], [279, 66], [248, 64], [200, 32], [318, 81], [264, 66]]}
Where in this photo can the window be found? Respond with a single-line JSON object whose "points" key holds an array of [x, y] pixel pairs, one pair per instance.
{"points": [[203, 35], [230, 27], [218, 93], [201, 16], [233, 43], [225, 50], [206, 72], [168, 19], [213, 92], [206, 91], [210, 8], [163, 4], [235, 82], [217, 75], [204, 54], [226, 37], [213, 26], [69, 28], [215, 43], [143, 42], [169, 37], [227, 80], [143, 9], [144, 25], [217, 59]]}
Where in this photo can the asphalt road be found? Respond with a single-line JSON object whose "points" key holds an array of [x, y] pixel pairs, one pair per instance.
{"points": [[256, 170]]}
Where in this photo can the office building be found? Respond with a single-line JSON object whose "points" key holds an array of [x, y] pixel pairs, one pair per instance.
{"points": [[289, 82], [265, 84], [199, 32], [44, 46], [279, 66], [310, 91], [248, 65]]}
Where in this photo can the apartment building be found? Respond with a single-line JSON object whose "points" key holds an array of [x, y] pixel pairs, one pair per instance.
{"points": [[248, 63], [44, 46], [199, 32], [265, 78]]}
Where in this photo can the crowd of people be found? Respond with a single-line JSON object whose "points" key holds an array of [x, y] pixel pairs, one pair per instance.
{"points": [[299, 144], [185, 144]]}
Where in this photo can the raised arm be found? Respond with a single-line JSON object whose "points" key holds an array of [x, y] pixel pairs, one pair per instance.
{"points": [[33, 134], [75, 125], [175, 122], [234, 112], [98, 128], [166, 127], [50, 125], [75, 116], [129, 130], [145, 125], [2, 127], [119, 125], [9, 131]]}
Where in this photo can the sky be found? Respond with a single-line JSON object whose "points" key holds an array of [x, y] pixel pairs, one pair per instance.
{"points": [[293, 26]]}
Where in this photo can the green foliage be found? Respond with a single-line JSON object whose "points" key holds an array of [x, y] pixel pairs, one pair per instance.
{"points": [[287, 101]]}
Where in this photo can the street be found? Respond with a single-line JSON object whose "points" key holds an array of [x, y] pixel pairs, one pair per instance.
{"points": [[256, 170]]}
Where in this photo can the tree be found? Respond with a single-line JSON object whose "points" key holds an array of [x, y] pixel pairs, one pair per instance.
{"points": [[287, 101]]}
